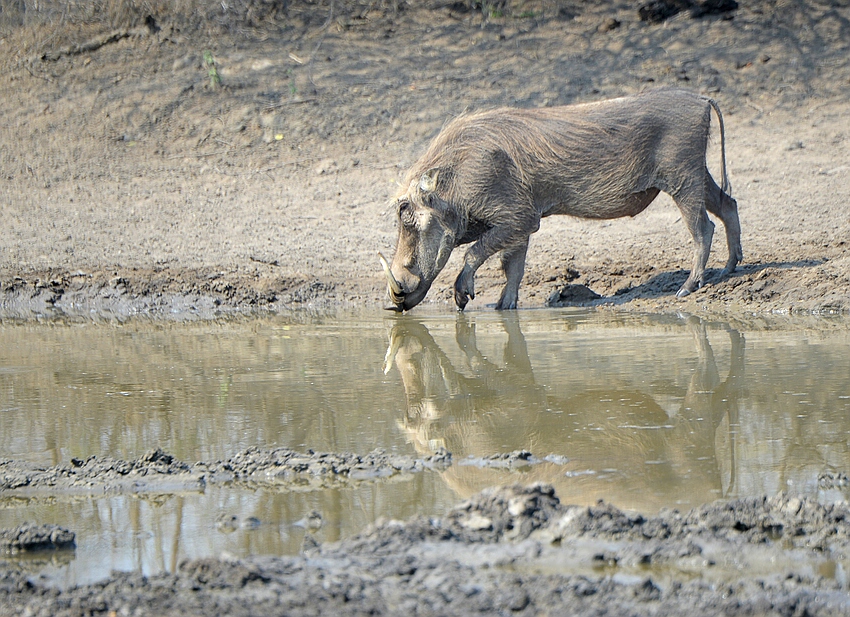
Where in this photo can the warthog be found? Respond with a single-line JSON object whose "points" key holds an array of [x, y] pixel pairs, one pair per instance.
{"points": [[489, 177]]}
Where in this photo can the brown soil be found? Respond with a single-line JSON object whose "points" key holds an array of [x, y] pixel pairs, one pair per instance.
{"points": [[131, 183]]}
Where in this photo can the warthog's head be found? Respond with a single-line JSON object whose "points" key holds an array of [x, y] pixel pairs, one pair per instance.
{"points": [[428, 228]]}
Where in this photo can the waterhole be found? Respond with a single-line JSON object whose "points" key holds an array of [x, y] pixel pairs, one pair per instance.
{"points": [[644, 411]]}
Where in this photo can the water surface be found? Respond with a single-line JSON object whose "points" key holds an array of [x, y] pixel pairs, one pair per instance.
{"points": [[643, 411]]}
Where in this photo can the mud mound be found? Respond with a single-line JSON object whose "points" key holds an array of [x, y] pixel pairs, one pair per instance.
{"points": [[33, 538]]}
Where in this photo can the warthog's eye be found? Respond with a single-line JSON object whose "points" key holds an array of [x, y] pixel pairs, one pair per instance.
{"points": [[406, 214]]}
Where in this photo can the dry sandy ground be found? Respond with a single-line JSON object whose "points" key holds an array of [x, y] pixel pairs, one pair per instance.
{"points": [[130, 183]]}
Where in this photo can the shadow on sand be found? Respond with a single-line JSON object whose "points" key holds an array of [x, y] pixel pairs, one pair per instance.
{"points": [[665, 284]]}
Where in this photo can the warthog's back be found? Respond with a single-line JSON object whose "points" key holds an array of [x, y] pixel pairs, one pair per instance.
{"points": [[583, 160]]}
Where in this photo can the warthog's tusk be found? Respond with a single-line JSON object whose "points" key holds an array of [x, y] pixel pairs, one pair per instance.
{"points": [[394, 285]]}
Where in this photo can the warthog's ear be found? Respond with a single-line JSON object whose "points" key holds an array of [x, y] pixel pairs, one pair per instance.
{"points": [[428, 181]]}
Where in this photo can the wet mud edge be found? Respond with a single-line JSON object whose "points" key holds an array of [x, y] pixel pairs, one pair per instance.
{"points": [[508, 550]]}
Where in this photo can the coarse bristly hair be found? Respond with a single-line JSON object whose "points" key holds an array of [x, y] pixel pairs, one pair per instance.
{"points": [[532, 141]]}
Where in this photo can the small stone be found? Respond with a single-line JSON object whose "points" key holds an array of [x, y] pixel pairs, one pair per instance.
{"points": [[609, 24], [326, 166], [519, 506], [477, 522], [793, 506]]}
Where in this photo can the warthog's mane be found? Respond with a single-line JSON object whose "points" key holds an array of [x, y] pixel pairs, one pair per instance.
{"points": [[525, 136]]}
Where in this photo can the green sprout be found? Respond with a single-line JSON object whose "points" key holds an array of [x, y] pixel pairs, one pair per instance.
{"points": [[209, 63], [292, 89]]}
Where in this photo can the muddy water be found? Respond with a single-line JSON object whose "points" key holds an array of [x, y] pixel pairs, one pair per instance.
{"points": [[643, 411]]}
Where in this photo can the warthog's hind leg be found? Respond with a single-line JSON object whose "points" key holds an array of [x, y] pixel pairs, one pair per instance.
{"points": [[692, 205], [513, 265], [725, 208]]}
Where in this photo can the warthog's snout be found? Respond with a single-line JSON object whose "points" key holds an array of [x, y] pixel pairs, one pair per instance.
{"points": [[403, 294]]}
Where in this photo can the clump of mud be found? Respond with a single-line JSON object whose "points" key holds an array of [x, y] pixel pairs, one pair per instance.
{"points": [[514, 550], [29, 538]]}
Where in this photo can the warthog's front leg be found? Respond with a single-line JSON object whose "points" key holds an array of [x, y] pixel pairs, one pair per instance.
{"points": [[490, 243]]}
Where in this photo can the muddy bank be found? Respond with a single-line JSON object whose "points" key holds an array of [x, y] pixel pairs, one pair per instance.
{"points": [[204, 293], [158, 472], [512, 551]]}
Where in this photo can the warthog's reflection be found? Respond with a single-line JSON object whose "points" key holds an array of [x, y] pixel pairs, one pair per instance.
{"points": [[621, 442]]}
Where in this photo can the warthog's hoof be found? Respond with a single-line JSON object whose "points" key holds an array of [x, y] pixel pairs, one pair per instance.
{"points": [[687, 289], [729, 269], [506, 305], [464, 287]]}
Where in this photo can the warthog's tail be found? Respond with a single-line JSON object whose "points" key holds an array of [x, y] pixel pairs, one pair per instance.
{"points": [[725, 186]]}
